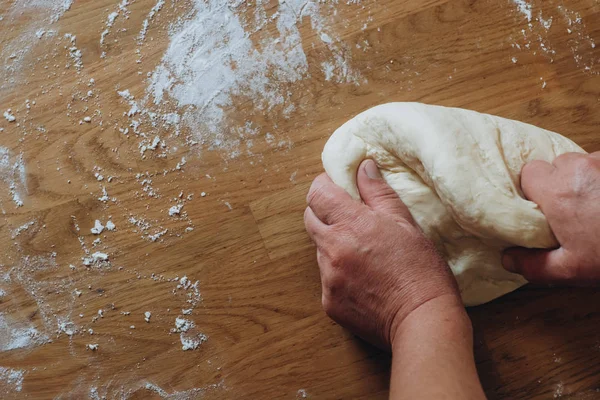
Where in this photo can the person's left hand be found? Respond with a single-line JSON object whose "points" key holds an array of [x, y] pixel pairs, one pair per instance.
{"points": [[377, 267]]}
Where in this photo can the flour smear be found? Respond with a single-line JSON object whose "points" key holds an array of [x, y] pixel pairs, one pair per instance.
{"points": [[11, 380], [12, 173], [18, 335], [228, 49], [40, 15]]}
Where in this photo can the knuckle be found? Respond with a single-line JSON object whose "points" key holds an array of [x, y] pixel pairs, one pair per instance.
{"points": [[363, 224], [327, 305], [337, 258], [333, 289], [321, 259], [316, 195], [308, 222], [334, 286], [582, 180], [386, 194], [563, 157], [306, 211], [342, 253], [317, 188], [585, 165]]}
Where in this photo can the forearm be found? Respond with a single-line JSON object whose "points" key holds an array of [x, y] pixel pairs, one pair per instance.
{"points": [[433, 355]]}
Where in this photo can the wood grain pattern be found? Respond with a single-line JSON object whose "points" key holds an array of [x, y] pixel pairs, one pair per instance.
{"points": [[267, 335]]}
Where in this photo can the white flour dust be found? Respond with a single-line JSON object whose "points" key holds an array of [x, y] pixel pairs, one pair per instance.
{"points": [[12, 380], [580, 42], [52, 296], [194, 393], [534, 38], [18, 335], [224, 51], [41, 14], [524, 8], [121, 9], [153, 11], [55, 8], [12, 173]]}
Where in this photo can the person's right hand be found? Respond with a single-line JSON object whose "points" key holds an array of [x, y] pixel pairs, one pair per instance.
{"points": [[568, 193]]}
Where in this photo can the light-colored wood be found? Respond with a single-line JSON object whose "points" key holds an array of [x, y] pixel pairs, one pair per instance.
{"points": [[260, 308]]}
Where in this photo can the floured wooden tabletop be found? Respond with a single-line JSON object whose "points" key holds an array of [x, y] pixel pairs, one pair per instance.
{"points": [[154, 161]]}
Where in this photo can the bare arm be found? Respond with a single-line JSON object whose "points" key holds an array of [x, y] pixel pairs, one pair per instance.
{"points": [[432, 354]]}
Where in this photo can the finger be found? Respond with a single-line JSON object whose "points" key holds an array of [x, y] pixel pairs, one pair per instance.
{"points": [[536, 182], [377, 194], [328, 201], [567, 158], [595, 155], [313, 225], [539, 265]]}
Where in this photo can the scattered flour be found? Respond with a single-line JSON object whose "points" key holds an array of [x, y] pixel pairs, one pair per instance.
{"points": [[18, 335], [157, 235], [524, 7], [9, 116], [183, 325], [155, 10], [110, 21], [67, 327], [22, 228], [13, 175], [534, 36], [558, 392], [194, 393], [580, 42], [52, 295], [104, 198], [97, 258], [76, 57], [39, 15], [13, 377], [189, 340], [175, 210], [98, 228], [192, 342], [216, 55]]}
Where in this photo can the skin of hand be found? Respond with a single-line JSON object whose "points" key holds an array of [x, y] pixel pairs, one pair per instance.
{"points": [[376, 265], [384, 280], [568, 193]]}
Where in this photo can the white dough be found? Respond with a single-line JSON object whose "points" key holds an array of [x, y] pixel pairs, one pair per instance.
{"points": [[458, 171]]}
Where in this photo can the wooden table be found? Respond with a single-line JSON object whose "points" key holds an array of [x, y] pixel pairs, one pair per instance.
{"points": [[259, 291]]}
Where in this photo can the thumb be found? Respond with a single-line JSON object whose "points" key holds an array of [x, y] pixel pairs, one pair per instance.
{"points": [[539, 265], [377, 194]]}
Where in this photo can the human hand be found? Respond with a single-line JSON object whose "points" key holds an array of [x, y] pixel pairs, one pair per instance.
{"points": [[377, 267], [568, 193]]}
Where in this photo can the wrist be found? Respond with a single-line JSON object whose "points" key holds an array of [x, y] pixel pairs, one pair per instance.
{"points": [[443, 316], [432, 353]]}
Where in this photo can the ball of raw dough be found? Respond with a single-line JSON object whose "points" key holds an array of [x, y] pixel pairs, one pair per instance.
{"points": [[458, 171]]}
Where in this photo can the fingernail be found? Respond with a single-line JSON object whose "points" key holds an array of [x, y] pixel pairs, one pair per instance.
{"points": [[508, 262], [372, 170]]}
